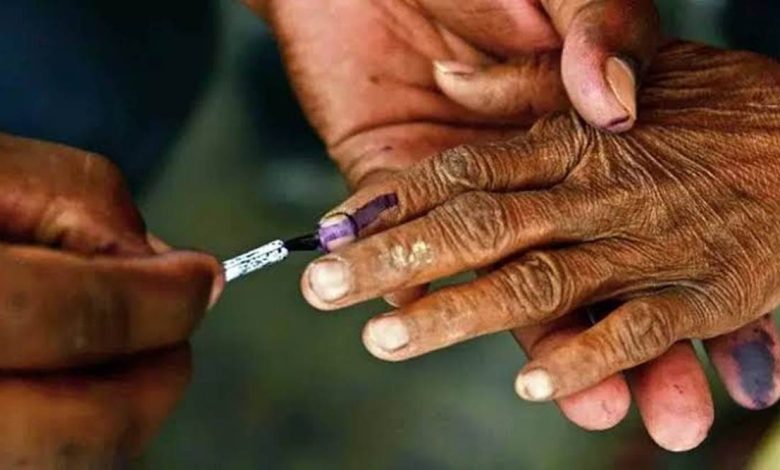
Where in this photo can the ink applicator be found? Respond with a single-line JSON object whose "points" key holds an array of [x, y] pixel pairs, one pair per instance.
{"points": [[335, 231]]}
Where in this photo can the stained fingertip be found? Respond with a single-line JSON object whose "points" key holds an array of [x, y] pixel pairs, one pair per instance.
{"points": [[748, 363], [347, 222], [337, 230], [673, 397], [600, 407]]}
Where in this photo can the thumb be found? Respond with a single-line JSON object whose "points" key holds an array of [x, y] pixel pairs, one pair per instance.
{"points": [[521, 90], [607, 45]]}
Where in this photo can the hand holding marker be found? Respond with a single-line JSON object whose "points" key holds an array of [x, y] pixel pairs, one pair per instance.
{"points": [[340, 229]]}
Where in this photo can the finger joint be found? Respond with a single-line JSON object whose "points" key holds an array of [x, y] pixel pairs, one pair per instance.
{"points": [[475, 223], [535, 287]]}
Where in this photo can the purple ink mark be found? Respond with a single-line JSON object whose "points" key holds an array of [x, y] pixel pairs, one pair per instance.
{"points": [[367, 214], [345, 229], [351, 225], [756, 365]]}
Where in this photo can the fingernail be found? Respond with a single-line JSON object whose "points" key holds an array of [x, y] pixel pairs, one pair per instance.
{"points": [[157, 244], [450, 67], [336, 231], [388, 334], [329, 279], [535, 385], [216, 290], [218, 284], [620, 77]]}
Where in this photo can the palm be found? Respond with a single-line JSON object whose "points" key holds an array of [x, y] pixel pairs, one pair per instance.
{"points": [[367, 84]]}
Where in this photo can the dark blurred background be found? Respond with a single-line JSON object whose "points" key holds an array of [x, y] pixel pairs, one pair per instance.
{"points": [[189, 97]]}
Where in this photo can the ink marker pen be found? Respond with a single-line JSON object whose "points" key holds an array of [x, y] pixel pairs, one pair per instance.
{"points": [[336, 231]]}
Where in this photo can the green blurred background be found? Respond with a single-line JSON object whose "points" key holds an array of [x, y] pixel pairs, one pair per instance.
{"points": [[278, 385]]}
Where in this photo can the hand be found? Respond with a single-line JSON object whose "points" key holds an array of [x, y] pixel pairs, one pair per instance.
{"points": [[365, 72], [89, 418], [81, 281], [346, 76], [676, 221]]}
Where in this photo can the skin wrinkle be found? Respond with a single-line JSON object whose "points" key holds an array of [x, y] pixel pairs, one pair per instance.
{"points": [[691, 243], [406, 34], [686, 97]]}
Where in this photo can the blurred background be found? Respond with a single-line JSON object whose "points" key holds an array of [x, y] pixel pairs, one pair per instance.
{"points": [[275, 384]]}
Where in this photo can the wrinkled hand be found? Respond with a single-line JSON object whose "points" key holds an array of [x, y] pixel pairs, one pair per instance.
{"points": [[365, 73], [80, 280], [99, 418], [678, 221]]}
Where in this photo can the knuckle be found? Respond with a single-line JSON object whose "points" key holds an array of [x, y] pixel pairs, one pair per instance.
{"points": [[535, 287], [710, 303], [476, 221], [644, 334], [104, 170], [462, 166]]}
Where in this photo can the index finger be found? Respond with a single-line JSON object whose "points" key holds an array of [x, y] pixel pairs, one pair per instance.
{"points": [[473, 231], [531, 161]]}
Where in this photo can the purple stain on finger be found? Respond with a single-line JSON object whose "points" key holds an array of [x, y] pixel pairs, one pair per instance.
{"points": [[337, 230], [756, 365], [341, 229], [367, 214]]}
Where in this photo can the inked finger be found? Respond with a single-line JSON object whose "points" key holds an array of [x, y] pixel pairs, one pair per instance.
{"points": [[636, 332], [62, 310], [673, 397], [748, 363], [534, 290], [472, 231], [532, 161]]}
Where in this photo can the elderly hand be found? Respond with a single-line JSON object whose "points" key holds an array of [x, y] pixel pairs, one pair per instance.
{"points": [[80, 280], [677, 221]]}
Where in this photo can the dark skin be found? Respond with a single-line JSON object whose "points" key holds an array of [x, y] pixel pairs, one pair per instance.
{"points": [[98, 418], [72, 233], [383, 103], [676, 221], [82, 281]]}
